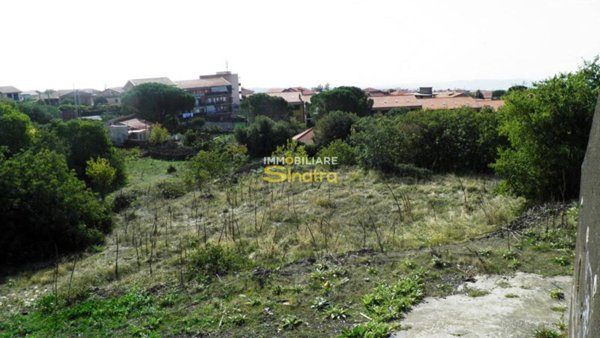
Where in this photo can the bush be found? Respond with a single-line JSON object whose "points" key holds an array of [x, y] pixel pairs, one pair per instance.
{"points": [[368, 330], [39, 112], [462, 140], [44, 208], [217, 163], [158, 134], [348, 99], [389, 302], [171, 190], [345, 153], [213, 260], [124, 200], [86, 140], [273, 107], [335, 125], [548, 128], [16, 130], [101, 175], [264, 135], [459, 140], [383, 143]]}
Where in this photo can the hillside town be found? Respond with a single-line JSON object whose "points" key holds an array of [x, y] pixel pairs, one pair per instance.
{"points": [[218, 100]]}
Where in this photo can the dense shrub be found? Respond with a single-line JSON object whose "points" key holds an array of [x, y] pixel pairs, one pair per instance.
{"points": [[389, 302], [548, 128], [212, 260], [158, 134], [345, 153], [348, 99], [124, 200], [44, 208], [333, 126], [264, 135], [16, 129], [39, 112], [460, 140], [273, 107], [170, 190], [87, 140], [383, 143], [216, 163]]}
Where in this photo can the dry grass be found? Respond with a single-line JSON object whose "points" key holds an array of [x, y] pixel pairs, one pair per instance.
{"points": [[278, 223]]}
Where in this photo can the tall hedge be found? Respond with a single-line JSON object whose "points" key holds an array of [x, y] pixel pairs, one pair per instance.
{"points": [[45, 209], [548, 128]]}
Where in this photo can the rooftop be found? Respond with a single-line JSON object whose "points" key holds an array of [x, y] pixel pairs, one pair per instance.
{"points": [[8, 89], [203, 83]]}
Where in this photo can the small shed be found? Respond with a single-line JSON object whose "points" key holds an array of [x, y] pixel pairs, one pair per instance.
{"points": [[133, 130]]}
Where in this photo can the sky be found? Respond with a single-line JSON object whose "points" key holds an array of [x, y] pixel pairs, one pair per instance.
{"points": [[63, 44]]}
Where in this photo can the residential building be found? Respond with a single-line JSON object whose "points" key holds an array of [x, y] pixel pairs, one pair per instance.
{"points": [[10, 92], [129, 129], [214, 97], [305, 137], [374, 92], [79, 96], [426, 98], [112, 95], [234, 81], [136, 82]]}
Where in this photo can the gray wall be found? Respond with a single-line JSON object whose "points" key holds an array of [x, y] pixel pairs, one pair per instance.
{"points": [[585, 302]]}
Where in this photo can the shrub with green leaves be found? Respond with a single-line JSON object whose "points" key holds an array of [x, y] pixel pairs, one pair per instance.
{"points": [[383, 143], [264, 135], [457, 140], [368, 330], [389, 302], [212, 260], [547, 127], [16, 129], [87, 140], [45, 209], [345, 153], [158, 134], [101, 175], [334, 126]]}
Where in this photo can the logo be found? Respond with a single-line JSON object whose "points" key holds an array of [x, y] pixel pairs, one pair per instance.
{"points": [[289, 169]]}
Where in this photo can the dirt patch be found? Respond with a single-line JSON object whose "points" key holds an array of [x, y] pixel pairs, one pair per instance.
{"points": [[512, 307]]}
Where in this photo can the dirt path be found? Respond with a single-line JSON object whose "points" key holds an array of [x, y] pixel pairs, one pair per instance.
{"points": [[527, 307]]}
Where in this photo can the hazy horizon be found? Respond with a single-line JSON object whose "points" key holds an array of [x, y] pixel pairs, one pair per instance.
{"points": [[383, 44]]}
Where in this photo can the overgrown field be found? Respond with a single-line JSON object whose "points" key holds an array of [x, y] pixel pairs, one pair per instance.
{"points": [[248, 258]]}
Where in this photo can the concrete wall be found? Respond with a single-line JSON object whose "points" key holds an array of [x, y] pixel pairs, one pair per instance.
{"points": [[585, 301]]}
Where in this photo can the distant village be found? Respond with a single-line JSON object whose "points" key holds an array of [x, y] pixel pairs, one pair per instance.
{"points": [[218, 99]]}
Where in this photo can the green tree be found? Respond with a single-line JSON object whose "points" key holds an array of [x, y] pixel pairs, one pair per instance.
{"points": [[264, 135], [158, 134], [335, 125], [478, 94], [44, 207], [158, 103], [16, 130], [498, 94], [101, 175], [273, 107], [86, 140], [345, 153], [383, 143], [548, 128], [516, 88], [348, 99], [457, 140], [39, 112]]}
